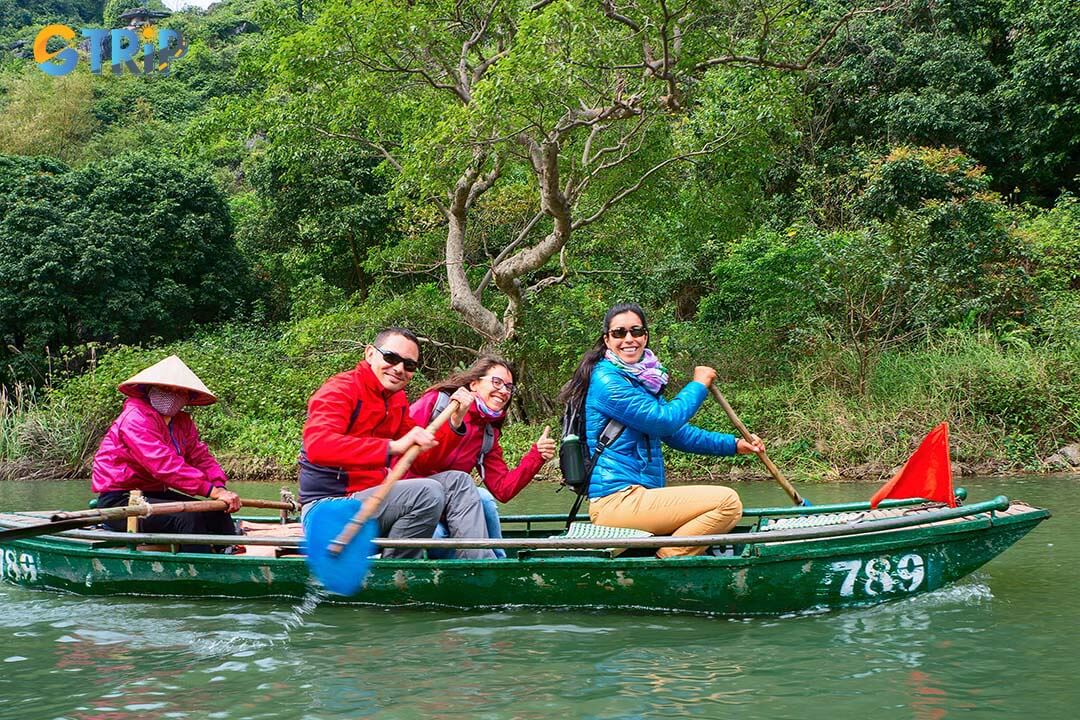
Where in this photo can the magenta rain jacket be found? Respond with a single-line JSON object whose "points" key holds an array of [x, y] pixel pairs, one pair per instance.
{"points": [[143, 452], [503, 483]]}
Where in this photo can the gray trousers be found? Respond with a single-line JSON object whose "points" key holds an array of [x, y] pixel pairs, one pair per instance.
{"points": [[414, 507], [411, 510], [463, 513]]}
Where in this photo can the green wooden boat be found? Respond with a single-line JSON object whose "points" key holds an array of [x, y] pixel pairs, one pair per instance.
{"points": [[779, 560]]}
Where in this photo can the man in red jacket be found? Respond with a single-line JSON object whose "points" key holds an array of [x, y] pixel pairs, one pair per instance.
{"points": [[358, 422]]}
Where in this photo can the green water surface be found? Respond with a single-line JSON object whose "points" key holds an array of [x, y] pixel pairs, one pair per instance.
{"points": [[1003, 643]]}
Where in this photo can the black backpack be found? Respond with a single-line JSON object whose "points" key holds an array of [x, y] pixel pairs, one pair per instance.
{"points": [[441, 404], [575, 463]]}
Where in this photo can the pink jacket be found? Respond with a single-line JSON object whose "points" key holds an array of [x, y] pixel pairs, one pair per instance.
{"points": [[143, 452], [500, 480]]}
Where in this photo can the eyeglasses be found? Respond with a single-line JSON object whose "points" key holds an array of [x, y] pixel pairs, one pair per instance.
{"points": [[637, 331], [392, 359], [499, 384]]}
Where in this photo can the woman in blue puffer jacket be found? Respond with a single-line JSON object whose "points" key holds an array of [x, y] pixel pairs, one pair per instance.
{"points": [[622, 380]]}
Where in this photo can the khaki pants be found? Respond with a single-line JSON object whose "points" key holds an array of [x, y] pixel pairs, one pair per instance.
{"points": [[688, 510]]}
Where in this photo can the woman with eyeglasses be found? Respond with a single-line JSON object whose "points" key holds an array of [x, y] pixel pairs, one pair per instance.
{"points": [[491, 381], [621, 380]]}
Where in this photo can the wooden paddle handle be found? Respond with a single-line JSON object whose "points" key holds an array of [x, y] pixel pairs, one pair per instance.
{"points": [[371, 505], [271, 504], [773, 470], [144, 509]]}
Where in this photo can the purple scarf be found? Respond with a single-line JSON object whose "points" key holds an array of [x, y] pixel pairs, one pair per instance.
{"points": [[647, 370]]}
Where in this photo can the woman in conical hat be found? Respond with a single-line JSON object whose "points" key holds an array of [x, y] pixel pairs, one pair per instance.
{"points": [[153, 446]]}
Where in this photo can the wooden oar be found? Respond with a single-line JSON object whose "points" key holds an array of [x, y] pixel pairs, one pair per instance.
{"points": [[62, 521], [796, 498], [339, 534], [175, 507]]}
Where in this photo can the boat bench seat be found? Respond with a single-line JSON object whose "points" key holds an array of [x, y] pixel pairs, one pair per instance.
{"points": [[584, 530]]}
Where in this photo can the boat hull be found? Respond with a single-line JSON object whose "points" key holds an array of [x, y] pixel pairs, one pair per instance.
{"points": [[765, 578]]}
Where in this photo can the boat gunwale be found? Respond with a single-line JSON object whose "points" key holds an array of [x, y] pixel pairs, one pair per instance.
{"points": [[774, 537], [807, 549]]}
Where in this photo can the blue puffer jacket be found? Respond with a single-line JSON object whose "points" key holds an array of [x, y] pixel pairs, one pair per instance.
{"points": [[635, 457]]}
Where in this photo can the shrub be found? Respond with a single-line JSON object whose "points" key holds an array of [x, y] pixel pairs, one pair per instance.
{"points": [[129, 249]]}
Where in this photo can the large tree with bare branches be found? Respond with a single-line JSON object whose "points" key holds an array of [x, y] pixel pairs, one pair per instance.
{"points": [[571, 106]]}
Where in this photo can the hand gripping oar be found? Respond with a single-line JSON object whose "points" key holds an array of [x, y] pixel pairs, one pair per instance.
{"points": [[339, 534], [62, 521], [773, 470]]}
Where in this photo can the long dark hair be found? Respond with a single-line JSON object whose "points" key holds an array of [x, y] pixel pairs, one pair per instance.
{"points": [[477, 370], [575, 389]]}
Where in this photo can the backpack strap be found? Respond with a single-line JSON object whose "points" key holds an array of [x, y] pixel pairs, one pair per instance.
{"points": [[441, 403], [573, 511], [485, 448], [608, 434]]}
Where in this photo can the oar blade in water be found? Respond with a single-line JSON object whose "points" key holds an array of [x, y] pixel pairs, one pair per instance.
{"points": [[342, 573]]}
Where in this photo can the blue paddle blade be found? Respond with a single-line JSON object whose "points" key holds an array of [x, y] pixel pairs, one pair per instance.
{"points": [[803, 502], [344, 573]]}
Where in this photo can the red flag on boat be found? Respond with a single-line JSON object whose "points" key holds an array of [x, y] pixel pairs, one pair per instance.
{"points": [[926, 474]]}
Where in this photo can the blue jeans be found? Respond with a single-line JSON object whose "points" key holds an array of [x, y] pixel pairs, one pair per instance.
{"points": [[491, 517]]}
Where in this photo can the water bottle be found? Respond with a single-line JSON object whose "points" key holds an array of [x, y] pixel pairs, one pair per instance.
{"points": [[572, 461]]}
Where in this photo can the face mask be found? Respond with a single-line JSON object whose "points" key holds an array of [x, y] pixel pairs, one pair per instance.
{"points": [[166, 402], [486, 410]]}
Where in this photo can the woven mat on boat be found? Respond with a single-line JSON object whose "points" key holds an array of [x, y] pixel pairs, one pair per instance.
{"points": [[582, 530], [588, 531], [824, 520]]}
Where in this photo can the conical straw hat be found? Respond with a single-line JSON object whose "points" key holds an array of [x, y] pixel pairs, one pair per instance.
{"points": [[169, 373]]}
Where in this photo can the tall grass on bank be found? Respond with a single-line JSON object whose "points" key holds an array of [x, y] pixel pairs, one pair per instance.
{"points": [[1009, 406], [45, 438], [14, 406]]}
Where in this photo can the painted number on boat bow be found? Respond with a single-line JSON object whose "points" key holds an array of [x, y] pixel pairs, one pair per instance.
{"points": [[881, 576], [20, 567]]}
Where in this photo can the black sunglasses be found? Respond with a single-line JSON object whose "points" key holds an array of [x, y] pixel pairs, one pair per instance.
{"points": [[392, 359], [637, 331]]}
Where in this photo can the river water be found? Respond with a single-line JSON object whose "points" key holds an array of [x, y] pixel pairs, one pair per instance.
{"points": [[1001, 643]]}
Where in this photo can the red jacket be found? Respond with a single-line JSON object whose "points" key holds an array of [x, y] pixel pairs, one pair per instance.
{"points": [[143, 452], [501, 481], [351, 421]]}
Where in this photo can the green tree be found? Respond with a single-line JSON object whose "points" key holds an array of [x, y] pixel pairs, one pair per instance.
{"points": [[47, 116], [581, 105], [928, 75], [998, 79], [126, 250], [1043, 93], [300, 240], [23, 13], [926, 246]]}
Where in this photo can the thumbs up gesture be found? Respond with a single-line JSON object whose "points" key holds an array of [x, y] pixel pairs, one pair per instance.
{"points": [[546, 446]]}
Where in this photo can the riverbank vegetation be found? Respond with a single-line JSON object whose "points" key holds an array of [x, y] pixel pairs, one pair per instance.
{"points": [[864, 218]]}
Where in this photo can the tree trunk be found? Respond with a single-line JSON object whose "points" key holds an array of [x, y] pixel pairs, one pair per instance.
{"points": [[462, 298]]}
